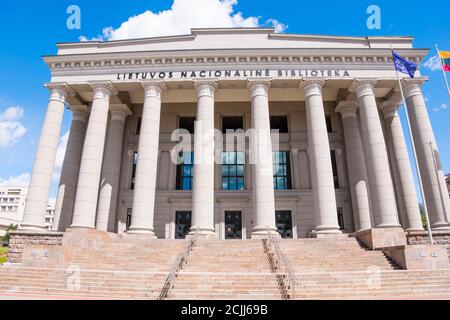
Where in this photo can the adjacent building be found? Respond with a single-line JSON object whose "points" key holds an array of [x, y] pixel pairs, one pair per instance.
{"points": [[12, 203], [328, 137]]}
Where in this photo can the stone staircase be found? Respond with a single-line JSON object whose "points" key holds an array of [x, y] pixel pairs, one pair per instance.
{"points": [[344, 269], [117, 269], [222, 270]]}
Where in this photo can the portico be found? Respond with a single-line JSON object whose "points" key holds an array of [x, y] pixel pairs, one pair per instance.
{"points": [[341, 164]]}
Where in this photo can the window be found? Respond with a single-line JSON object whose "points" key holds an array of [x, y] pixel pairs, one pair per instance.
{"points": [[233, 225], [187, 123], [183, 222], [232, 123], [329, 125], [233, 171], [341, 218], [129, 215], [284, 224], [335, 170], [133, 171], [282, 171], [185, 172], [279, 123], [138, 126]]}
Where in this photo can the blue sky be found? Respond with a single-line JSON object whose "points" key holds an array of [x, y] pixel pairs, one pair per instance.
{"points": [[30, 29]]}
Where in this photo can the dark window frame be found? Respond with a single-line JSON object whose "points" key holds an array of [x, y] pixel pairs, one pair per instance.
{"points": [[184, 182], [286, 177], [335, 169], [280, 123], [138, 126], [133, 170], [187, 123], [234, 126], [231, 171], [178, 214], [341, 219], [284, 234], [329, 123]]}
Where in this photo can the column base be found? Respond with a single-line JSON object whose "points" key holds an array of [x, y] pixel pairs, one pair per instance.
{"points": [[263, 233], [440, 227], [326, 230], [142, 233], [201, 233], [381, 238]]}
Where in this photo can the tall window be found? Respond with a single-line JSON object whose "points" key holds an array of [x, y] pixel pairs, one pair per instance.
{"points": [[133, 171], [187, 123], [341, 218], [138, 126], [335, 170], [233, 170], [129, 215], [185, 172], [279, 123], [329, 124], [282, 170], [232, 123]]}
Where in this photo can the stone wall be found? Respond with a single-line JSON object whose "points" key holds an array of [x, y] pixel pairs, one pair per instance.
{"points": [[421, 237], [20, 239]]}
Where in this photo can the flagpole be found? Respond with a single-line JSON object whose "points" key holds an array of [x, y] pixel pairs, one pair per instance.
{"points": [[416, 163], [442, 69]]}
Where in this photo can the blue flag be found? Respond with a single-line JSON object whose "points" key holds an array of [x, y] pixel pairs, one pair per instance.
{"points": [[404, 66]]}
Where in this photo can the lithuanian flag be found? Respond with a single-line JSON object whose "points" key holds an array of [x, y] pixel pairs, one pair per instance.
{"points": [[445, 57]]}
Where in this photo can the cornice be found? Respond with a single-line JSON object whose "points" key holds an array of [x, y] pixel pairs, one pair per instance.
{"points": [[323, 57]]}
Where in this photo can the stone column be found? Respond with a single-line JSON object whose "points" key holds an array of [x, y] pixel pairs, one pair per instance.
{"points": [[109, 183], [262, 159], [65, 200], [356, 165], [432, 175], [92, 158], [203, 184], [142, 221], [325, 210], [44, 163], [408, 204], [381, 189]]}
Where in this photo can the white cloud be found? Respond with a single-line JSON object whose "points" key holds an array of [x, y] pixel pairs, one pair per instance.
{"points": [[443, 106], [181, 17], [433, 64], [11, 130], [22, 180], [60, 153]]}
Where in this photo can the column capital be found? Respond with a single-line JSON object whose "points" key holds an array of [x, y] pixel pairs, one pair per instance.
{"points": [[59, 91], [347, 109], [411, 88], [389, 108], [205, 88], [103, 89], [259, 87], [119, 112], [363, 87], [153, 88], [80, 112], [312, 87]]}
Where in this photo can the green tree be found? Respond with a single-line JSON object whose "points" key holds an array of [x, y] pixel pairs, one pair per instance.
{"points": [[5, 239]]}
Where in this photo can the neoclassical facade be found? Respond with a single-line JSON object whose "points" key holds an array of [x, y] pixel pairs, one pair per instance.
{"points": [[341, 165]]}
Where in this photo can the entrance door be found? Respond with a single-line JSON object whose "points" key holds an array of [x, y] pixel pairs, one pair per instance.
{"points": [[233, 225], [182, 224], [284, 224]]}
